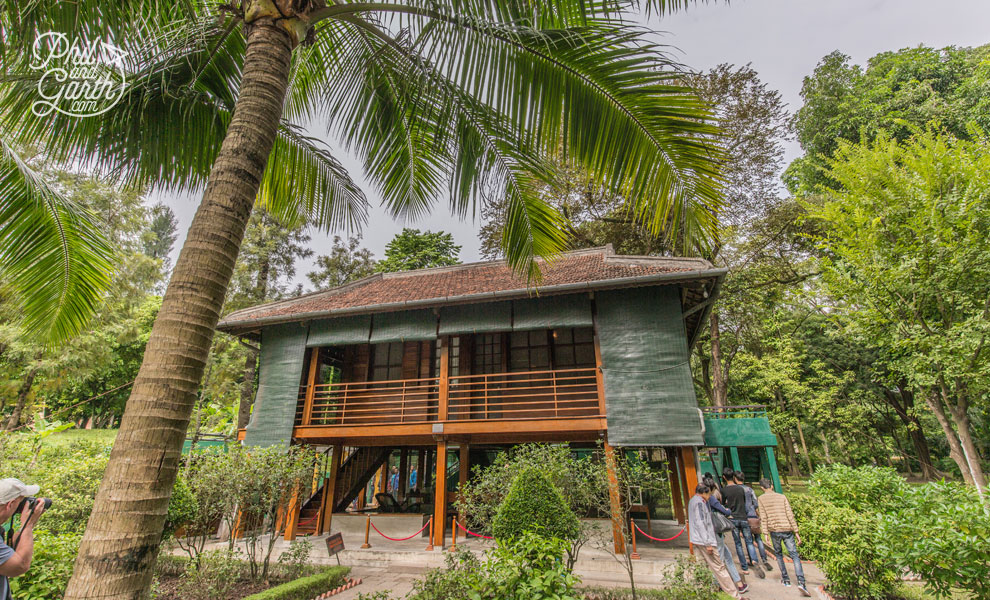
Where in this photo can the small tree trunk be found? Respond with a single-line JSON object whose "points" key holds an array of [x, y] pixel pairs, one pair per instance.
{"points": [[247, 389], [22, 396], [793, 469], [120, 546], [720, 383], [828, 453], [934, 402], [971, 453]]}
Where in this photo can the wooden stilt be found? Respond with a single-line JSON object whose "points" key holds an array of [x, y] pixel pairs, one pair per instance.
{"points": [[403, 474], [615, 501], [330, 489], [689, 468], [292, 516], [440, 495], [464, 458], [676, 495], [420, 469]]}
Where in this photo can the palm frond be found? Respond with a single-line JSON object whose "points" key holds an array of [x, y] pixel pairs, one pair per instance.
{"points": [[304, 183], [53, 254]]}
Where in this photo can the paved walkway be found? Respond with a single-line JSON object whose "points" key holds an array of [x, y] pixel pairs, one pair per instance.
{"points": [[394, 566]]}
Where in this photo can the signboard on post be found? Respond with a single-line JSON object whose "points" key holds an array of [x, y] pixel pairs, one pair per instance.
{"points": [[335, 543]]}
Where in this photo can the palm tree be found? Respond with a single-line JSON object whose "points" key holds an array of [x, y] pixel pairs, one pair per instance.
{"points": [[441, 98]]}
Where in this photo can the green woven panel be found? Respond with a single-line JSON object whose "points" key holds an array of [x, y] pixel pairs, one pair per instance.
{"points": [[283, 348], [571, 310], [649, 394], [476, 318], [340, 332], [405, 326]]}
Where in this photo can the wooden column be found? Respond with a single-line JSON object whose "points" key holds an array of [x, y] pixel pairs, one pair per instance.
{"points": [[689, 465], [444, 379], [440, 495], [676, 492], [615, 501], [330, 489], [314, 361], [403, 474], [292, 516], [464, 459]]}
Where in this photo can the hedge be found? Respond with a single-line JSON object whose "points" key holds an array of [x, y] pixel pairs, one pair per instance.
{"points": [[306, 587]]}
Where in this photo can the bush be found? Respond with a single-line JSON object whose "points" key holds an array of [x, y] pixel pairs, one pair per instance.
{"points": [[868, 488], [293, 561], [212, 579], [940, 531], [849, 552], [306, 587], [50, 569], [456, 580], [529, 567], [534, 504], [686, 579], [181, 508]]}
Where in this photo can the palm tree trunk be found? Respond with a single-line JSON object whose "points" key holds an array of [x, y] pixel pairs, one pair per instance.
{"points": [[120, 546]]}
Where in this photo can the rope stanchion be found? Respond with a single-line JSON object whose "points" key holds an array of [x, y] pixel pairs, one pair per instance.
{"points": [[670, 539], [453, 533], [367, 532], [635, 555], [429, 547], [477, 535], [391, 539]]}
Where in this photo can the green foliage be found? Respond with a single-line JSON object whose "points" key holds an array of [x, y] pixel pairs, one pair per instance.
{"points": [[849, 551], [211, 576], [306, 587], [685, 579], [346, 262], [529, 567], [534, 504], [862, 489], [940, 531], [412, 249], [182, 507], [51, 566], [293, 561], [459, 576]]}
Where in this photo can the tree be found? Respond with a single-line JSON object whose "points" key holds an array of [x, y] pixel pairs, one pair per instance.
{"points": [[400, 83], [903, 246], [265, 267], [412, 249], [896, 93], [346, 262], [160, 237]]}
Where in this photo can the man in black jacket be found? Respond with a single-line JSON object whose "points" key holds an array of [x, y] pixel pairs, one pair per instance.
{"points": [[734, 498]]}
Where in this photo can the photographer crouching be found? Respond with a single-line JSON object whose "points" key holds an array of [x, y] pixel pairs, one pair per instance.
{"points": [[17, 547]]}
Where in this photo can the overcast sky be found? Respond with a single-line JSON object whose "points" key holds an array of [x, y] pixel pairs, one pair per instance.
{"points": [[782, 39]]}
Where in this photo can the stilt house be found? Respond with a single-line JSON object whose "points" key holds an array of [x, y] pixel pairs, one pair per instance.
{"points": [[472, 357]]}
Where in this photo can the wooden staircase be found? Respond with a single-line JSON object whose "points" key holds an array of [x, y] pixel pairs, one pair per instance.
{"points": [[359, 465]]}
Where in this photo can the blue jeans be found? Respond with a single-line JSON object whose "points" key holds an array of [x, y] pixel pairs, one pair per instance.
{"points": [[741, 532], [723, 551], [761, 547], [787, 537]]}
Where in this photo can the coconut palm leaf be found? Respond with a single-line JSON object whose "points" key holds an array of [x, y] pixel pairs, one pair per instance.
{"points": [[53, 255]]}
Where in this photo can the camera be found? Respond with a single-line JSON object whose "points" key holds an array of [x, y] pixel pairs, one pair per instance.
{"points": [[31, 502]]}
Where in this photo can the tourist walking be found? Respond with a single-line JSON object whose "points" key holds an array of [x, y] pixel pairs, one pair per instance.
{"points": [[778, 522], [754, 519], [734, 498], [702, 535], [715, 503]]}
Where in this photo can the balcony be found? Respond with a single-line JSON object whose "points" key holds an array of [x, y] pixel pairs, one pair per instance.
{"points": [[533, 401]]}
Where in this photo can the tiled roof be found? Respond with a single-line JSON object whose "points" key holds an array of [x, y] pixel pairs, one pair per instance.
{"points": [[597, 268]]}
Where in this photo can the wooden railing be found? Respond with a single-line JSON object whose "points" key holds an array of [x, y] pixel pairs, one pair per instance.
{"points": [[531, 394], [498, 396]]}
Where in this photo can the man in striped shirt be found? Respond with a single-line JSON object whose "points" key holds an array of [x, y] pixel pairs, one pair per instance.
{"points": [[777, 521]]}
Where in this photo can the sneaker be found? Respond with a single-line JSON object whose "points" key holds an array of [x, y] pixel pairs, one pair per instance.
{"points": [[766, 565], [785, 583], [743, 588], [759, 572], [804, 591]]}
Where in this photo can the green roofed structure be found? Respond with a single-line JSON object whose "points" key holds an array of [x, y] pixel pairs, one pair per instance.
{"points": [[423, 362]]}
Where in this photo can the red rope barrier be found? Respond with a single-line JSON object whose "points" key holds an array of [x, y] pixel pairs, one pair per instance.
{"points": [[308, 521], [391, 539], [478, 535], [658, 539]]}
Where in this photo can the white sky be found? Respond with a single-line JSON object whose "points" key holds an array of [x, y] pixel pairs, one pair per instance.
{"points": [[782, 39]]}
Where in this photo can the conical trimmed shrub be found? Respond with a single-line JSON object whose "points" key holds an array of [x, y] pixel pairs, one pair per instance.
{"points": [[534, 504]]}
